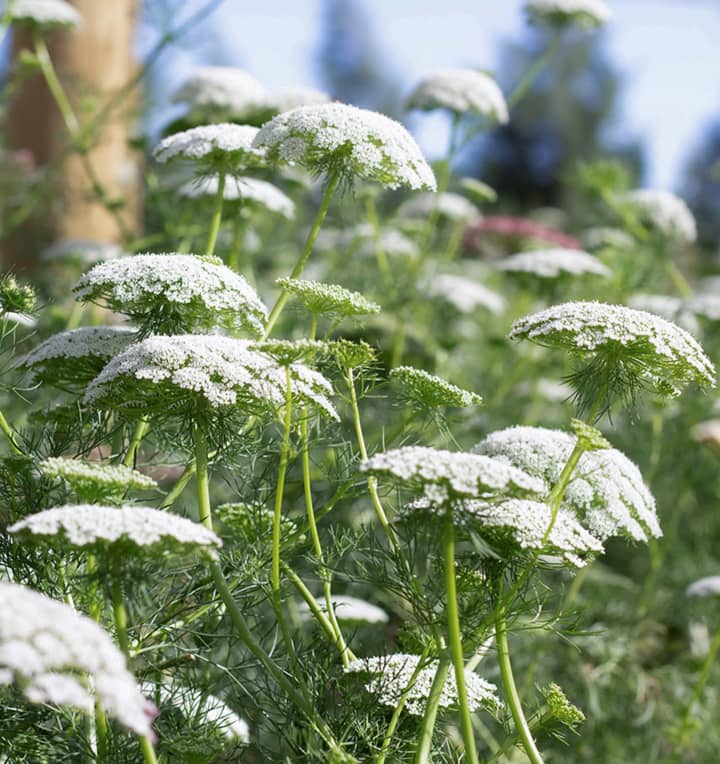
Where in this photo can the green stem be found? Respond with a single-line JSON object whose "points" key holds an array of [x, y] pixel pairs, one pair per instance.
{"points": [[423, 753], [95, 610], [280, 489], [202, 479], [528, 79], [307, 249], [54, 86], [703, 678], [217, 215], [238, 240], [174, 493], [9, 434], [511, 693], [141, 429], [455, 640], [380, 254]]}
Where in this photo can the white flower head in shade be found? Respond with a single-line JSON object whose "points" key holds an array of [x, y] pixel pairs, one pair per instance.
{"points": [[92, 479], [391, 675], [656, 352], [606, 491], [222, 90], [44, 645], [429, 391], [450, 475], [560, 13], [174, 293], [226, 146], [348, 609], [705, 306], [446, 204], [173, 375], [96, 527], [50, 13], [81, 251], [328, 299], [72, 358], [249, 191], [662, 211], [355, 142], [460, 91], [598, 237], [707, 432], [704, 587], [292, 98], [464, 294], [554, 263], [391, 242], [672, 308]]}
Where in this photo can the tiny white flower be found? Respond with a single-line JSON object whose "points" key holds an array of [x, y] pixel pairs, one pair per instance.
{"points": [[357, 142], [42, 640], [250, 191], [347, 608], [448, 205], [554, 263], [223, 89], [464, 294], [228, 145], [42, 12], [460, 91], [663, 211], [704, 587], [588, 13]]}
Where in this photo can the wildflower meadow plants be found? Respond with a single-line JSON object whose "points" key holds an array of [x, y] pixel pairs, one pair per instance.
{"points": [[356, 493]]}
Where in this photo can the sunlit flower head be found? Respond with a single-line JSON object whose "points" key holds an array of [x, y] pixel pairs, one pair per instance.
{"points": [[662, 211], [227, 147], [606, 491], [41, 13], [250, 191], [464, 294], [561, 13], [292, 98], [553, 264], [460, 91], [223, 90], [354, 142], [391, 676], [173, 293], [46, 648]]}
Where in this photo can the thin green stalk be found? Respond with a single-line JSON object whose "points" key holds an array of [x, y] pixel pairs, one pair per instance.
{"points": [[9, 434], [423, 753], [531, 75], [455, 639], [217, 215], [280, 489], [141, 429], [332, 183], [201, 477], [511, 693], [100, 719], [702, 678], [380, 254], [174, 493], [238, 240]]}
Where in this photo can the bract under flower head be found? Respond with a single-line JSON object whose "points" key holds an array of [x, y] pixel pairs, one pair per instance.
{"points": [[561, 13], [391, 676], [460, 91], [44, 645], [41, 13], [92, 480], [448, 205], [225, 146], [177, 375], [72, 358], [95, 527], [658, 353], [430, 391], [663, 212], [554, 263], [606, 491], [328, 299], [222, 90], [355, 142], [249, 191], [174, 293], [348, 609], [450, 475], [464, 294]]}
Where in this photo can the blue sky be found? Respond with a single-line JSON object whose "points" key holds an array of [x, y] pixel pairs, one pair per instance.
{"points": [[666, 49]]}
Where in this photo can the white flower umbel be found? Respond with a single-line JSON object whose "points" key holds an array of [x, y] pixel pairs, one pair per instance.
{"points": [[44, 645], [173, 375], [81, 251], [391, 675], [598, 237], [658, 352], [704, 587], [223, 89], [348, 609], [662, 211], [76, 356], [448, 475], [292, 98], [329, 299], [705, 306], [18, 319], [337, 138], [171, 293], [464, 294], [428, 390], [588, 13], [554, 263], [460, 91], [94, 478], [50, 13], [96, 527], [391, 242], [606, 491], [251, 191], [227, 146], [446, 204]]}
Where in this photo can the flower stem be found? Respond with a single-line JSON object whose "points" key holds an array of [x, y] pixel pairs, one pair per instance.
{"points": [[455, 640], [703, 677], [201, 477], [307, 249], [422, 755], [141, 429], [511, 693], [9, 434], [531, 75], [280, 489], [217, 215]]}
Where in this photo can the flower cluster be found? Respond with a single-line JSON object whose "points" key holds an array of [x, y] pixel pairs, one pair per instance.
{"points": [[348, 609], [175, 374], [460, 91], [672, 308], [606, 491], [449, 475], [96, 527], [328, 299], [355, 142], [222, 89], [250, 191], [81, 251], [43, 13], [44, 645], [662, 211], [446, 205], [429, 391], [95, 479], [587, 13], [464, 294], [391, 675], [226, 146], [174, 292], [704, 587], [554, 263]]}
